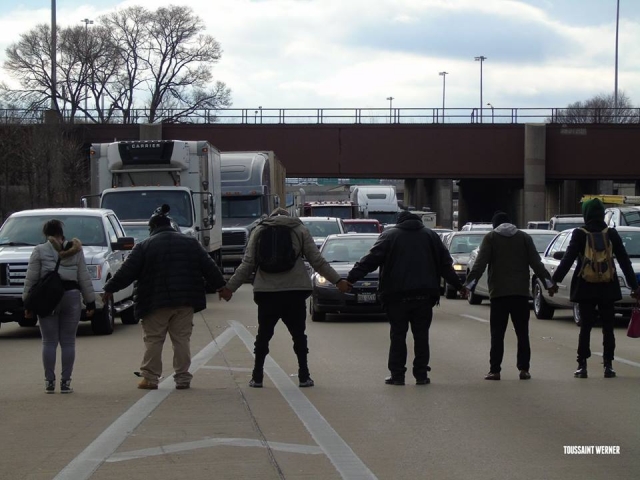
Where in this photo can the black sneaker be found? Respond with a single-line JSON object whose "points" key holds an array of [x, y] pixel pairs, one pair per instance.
{"points": [[49, 386], [306, 383], [394, 380], [581, 372], [255, 384], [609, 372], [65, 386], [423, 381]]}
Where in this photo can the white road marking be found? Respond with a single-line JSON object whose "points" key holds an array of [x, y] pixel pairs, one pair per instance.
{"points": [[477, 319], [88, 461], [337, 450], [215, 442], [620, 360]]}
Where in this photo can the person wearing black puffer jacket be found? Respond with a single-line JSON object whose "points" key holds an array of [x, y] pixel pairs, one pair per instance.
{"points": [[595, 299], [171, 269], [411, 258]]}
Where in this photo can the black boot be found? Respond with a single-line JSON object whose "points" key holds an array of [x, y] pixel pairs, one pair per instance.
{"points": [[609, 372], [581, 372]]}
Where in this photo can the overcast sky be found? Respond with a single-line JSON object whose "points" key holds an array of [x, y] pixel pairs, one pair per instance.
{"points": [[356, 53]]}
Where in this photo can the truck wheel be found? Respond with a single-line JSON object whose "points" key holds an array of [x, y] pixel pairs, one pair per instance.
{"points": [[103, 320], [541, 308], [28, 322], [128, 316]]}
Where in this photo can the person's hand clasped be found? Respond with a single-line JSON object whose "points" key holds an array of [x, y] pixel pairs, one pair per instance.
{"points": [[225, 293], [344, 286], [464, 293], [28, 314], [553, 290], [106, 296]]}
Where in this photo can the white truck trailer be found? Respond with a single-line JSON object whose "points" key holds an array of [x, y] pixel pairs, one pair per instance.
{"points": [[376, 201], [133, 178]]}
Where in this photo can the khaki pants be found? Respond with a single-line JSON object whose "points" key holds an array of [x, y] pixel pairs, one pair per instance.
{"points": [[178, 322]]}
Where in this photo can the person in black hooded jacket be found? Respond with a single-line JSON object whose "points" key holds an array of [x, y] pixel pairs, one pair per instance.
{"points": [[411, 258], [595, 299]]}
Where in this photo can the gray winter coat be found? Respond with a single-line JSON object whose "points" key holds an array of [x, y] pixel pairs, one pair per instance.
{"points": [[72, 267], [295, 279]]}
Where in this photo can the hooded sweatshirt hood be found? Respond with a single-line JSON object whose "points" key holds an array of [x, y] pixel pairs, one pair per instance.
{"points": [[506, 229], [593, 210], [409, 221]]}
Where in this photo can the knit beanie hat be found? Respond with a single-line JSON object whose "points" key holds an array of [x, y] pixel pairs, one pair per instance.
{"points": [[499, 218], [160, 217], [593, 210]]}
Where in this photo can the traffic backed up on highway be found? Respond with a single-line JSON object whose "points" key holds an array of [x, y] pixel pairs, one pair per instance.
{"points": [[544, 306], [343, 251], [541, 239], [321, 227], [460, 245], [105, 247]]}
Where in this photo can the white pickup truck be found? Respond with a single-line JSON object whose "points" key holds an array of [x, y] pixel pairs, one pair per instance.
{"points": [[105, 247]]}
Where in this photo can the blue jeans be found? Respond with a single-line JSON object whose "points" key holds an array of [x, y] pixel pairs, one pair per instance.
{"points": [[61, 328]]}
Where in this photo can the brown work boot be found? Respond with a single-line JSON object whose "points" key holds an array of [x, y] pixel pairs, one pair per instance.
{"points": [[145, 384]]}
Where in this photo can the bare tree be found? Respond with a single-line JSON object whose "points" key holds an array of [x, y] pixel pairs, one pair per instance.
{"points": [[599, 109], [132, 59]]}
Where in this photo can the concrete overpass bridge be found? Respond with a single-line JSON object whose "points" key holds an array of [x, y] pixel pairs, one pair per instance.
{"points": [[532, 171]]}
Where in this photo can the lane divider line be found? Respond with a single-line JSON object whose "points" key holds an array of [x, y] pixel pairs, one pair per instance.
{"points": [[620, 360], [89, 460], [477, 319], [343, 458]]}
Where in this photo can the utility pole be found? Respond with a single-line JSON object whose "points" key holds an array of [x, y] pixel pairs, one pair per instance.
{"points": [[54, 48], [615, 90], [390, 109], [87, 22], [480, 59]]}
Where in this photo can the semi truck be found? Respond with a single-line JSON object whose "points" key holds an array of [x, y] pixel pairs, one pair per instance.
{"points": [[376, 201], [133, 178], [253, 184]]}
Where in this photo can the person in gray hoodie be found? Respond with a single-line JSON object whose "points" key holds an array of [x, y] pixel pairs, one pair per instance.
{"points": [[509, 253], [282, 295]]}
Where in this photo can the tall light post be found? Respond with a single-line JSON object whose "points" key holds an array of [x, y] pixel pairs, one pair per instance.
{"points": [[390, 109], [53, 55], [615, 89], [444, 76], [489, 104], [87, 22], [480, 59]]}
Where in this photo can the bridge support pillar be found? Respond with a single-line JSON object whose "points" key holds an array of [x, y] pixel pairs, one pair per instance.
{"points": [[572, 192], [442, 202], [534, 172], [415, 193]]}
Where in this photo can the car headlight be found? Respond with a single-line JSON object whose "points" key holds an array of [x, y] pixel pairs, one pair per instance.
{"points": [[95, 271], [321, 280], [458, 268], [622, 282]]}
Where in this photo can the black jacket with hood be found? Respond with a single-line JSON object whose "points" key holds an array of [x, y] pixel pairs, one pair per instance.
{"points": [[581, 290], [411, 258]]}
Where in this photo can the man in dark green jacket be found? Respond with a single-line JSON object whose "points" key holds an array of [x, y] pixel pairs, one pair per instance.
{"points": [[509, 253]]}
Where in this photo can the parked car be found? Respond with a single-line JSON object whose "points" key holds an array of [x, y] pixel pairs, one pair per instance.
{"points": [[362, 225], [442, 232], [105, 246], [542, 225], [541, 239], [544, 306], [460, 245], [343, 251], [321, 227], [476, 226], [566, 222]]}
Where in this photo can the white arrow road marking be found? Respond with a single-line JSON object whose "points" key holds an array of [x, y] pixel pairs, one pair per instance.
{"points": [[214, 442]]}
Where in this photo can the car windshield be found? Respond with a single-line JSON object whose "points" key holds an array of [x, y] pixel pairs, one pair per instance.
{"points": [[631, 242], [340, 211], [347, 249], [28, 230], [542, 240], [241, 207], [384, 217], [132, 205], [560, 226], [632, 218], [465, 243], [362, 227], [322, 229]]}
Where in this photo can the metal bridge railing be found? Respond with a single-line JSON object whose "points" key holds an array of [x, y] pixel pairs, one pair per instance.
{"points": [[330, 116]]}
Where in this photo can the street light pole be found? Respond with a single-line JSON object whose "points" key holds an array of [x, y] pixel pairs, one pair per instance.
{"points": [[444, 76], [615, 90], [480, 59], [492, 117], [53, 54], [390, 109], [87, 22]]}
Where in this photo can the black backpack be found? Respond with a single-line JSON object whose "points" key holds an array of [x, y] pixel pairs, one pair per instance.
{"points": [[275, 252], [46, 293]]}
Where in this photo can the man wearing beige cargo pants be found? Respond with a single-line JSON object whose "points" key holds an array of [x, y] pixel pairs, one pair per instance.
{"points": [[171, 269]]}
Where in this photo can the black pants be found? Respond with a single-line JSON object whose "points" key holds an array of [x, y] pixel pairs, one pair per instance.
{"points": [[501, 308], [418, 314], [291, 307], [589, 313]]}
